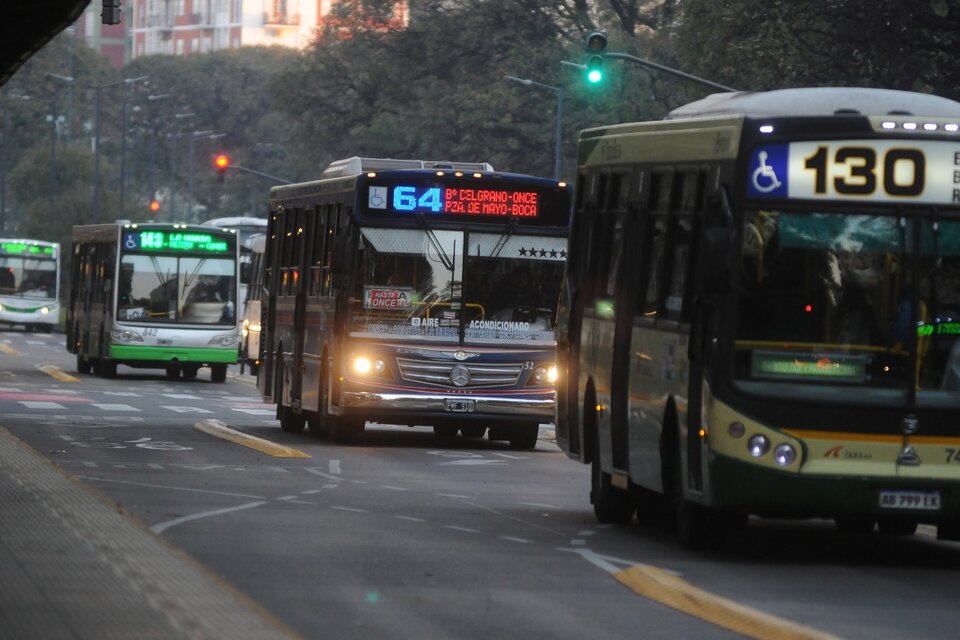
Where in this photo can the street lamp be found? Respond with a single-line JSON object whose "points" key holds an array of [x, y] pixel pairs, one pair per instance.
{"points": [[123, 142], [557, 154], [98, 87]]}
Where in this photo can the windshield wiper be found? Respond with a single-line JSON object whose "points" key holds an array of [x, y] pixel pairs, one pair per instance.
{"points": [[435, 241]]}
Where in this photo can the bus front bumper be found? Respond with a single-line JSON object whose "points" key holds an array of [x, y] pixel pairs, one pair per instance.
{"points": [[453, 406], [744, 487]]}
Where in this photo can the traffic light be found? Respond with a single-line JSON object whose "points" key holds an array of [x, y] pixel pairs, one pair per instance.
{"points": [[222, 161], [154, 205], [596, 45]]}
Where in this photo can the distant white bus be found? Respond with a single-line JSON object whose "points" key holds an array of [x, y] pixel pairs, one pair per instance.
{"points": [[29, 283], [250, 327], [247, 228]]}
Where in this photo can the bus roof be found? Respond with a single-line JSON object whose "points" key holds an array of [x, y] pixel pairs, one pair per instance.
{"points": [[236, 222], [819, 101], [356, 165], [257, 243]]}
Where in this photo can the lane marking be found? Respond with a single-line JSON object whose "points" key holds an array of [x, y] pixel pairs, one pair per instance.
{"points": [[33, 404], [454, 527], [513, 539], [454, 495], [186, 409], [350, 509], [114, 407], [164, 486], [220, 430], [317, 472], [334, 467], [539, 505], [392, 488], [163, 526], [676, 593], [57, 373], [409, 518], [7, 349]]}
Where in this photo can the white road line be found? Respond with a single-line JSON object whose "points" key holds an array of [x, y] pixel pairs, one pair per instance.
{"points": [[350, 509], [286, 498], [312, 491], [539, 505], [163, 526], [255, 412], [391, 488], [171, 488], [586, 533], [334, 467], [513, 539], [181, 396], [126, 394], [409, 518], [454, 495], [114, 407], [454, 527], [322, 474], [33, 404], [186, 409]]}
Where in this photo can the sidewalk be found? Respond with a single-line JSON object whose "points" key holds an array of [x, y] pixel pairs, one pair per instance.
{"points": [[74, 565]]}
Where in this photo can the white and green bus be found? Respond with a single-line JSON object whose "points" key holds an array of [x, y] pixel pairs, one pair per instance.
{"points": [[29, 283], [155, 296], [761, 313]]}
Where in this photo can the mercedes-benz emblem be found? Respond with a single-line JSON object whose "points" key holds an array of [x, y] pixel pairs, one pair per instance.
{"points": [[460, 376]]}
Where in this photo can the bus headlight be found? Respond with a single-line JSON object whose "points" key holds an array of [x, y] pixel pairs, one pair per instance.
{"points": [[225, 340], [364, 366], [44, 310], [543, 375], [244, 329], [784, 454], [125, 335], [758, 445]]}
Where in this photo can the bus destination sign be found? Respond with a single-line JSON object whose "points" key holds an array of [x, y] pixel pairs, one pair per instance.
{"points": [[176, 242], [884, 170], [26, 249], [476, 201]]}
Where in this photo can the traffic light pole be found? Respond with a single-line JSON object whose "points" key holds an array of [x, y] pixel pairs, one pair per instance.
{"points": [[660, 67]]}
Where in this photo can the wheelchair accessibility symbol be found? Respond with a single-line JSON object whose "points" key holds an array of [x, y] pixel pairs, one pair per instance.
{"points": [[377, 198], [764, 177]]}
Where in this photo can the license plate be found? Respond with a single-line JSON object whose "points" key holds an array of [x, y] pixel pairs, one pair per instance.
{"points": [[916, 500], [459, 406]]}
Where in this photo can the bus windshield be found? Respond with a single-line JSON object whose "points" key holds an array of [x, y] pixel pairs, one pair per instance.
{"points": [[28, 277], [838, 302], [419, 284], [177, 289]]}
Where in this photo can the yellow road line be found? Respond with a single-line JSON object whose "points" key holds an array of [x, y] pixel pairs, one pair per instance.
{"points": [[676, 593], [58, 373], [220, 430], [7, 349]]}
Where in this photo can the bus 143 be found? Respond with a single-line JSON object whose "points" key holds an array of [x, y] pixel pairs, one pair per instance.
{"points": [[158, 296], [413, 292], [784, 341], [29, 283]]}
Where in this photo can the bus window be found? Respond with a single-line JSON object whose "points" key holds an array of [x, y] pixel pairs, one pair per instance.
{"points": [[656, 240]]}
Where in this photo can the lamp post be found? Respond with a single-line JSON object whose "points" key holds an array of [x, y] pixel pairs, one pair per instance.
{"points": [[123, 143], [195, 135], [98, 88], [557, 153]]}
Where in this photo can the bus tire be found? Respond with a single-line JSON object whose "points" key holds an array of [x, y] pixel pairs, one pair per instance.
{"points": [[610, 504], [291, 422], [218, 372], [445, 434], [697, 527], [83, 365], [190, 371], [172, 371], [105, 368], [524, 436]]}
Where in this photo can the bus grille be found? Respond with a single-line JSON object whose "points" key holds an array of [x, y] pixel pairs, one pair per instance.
{"points": [[438, 373]]}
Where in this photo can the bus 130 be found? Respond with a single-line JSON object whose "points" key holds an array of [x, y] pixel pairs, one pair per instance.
{"points": [[414, 292], [29, 283], [155, 296], [783, 342]]}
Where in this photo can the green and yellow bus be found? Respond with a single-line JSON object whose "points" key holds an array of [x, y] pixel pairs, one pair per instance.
{"points": [[761, 311]]}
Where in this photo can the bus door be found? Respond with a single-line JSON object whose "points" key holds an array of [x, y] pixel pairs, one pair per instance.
{"points": [[298, 274], [267, 374]]}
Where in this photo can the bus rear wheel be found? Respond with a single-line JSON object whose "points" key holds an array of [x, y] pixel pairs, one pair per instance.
{"points": [[291, 422], [173, 372], [610, 504], [190, 371], [218, 372]]}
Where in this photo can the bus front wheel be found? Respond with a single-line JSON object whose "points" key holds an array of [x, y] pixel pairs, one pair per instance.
{"points": [[610, 504], [83, 365], [524, 436], [173, 372], [218, 372]]}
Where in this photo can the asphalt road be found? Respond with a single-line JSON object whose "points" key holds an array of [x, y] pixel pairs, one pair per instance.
{"points": [[399, 537]]}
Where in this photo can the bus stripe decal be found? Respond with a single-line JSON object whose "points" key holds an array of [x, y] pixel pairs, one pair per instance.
{"points": [[667, 589], [868, 437]]}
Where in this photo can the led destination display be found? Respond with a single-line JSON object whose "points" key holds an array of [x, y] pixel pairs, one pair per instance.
{"points": [[176, 242], [478, 201], [24, 249]]}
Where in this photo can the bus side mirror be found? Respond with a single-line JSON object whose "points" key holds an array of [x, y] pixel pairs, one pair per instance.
{"points": [[714, 264]]}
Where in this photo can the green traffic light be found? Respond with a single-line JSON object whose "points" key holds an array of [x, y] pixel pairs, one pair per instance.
{"points": [[595, 76]]}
